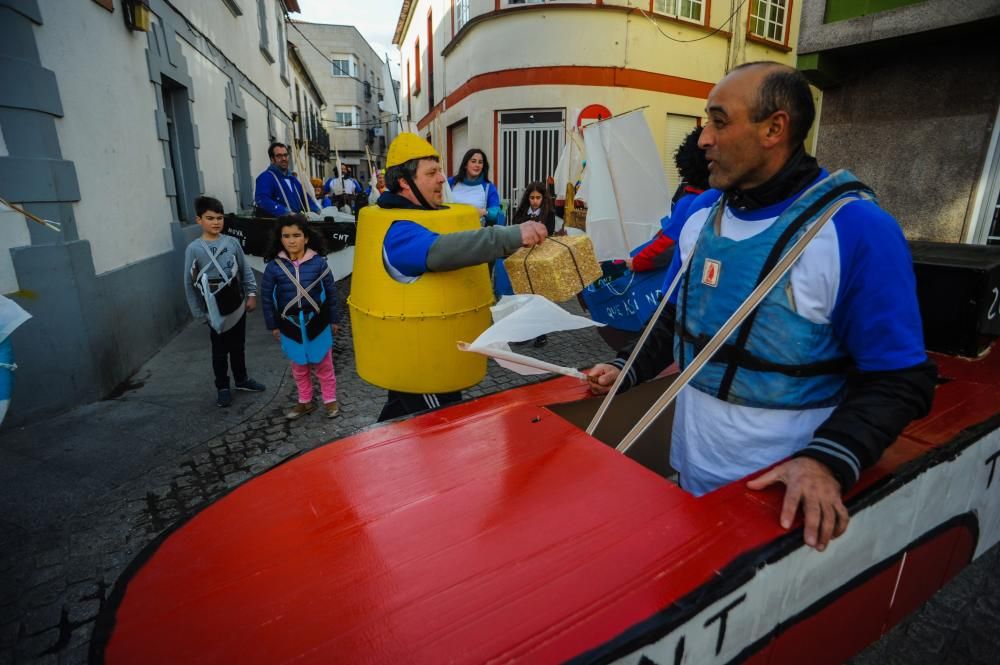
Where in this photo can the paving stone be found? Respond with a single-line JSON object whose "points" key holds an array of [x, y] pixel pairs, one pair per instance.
{"points": [[237, 477], [285, 450], [49, 573], [259, 467], [83, 591], [9, 628], [77, 654], [39, 619], [51, 557], [43, 595], [32, 646], [83, 610]]}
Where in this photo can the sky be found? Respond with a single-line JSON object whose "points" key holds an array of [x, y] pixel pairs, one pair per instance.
{"points": [[374, 19]]}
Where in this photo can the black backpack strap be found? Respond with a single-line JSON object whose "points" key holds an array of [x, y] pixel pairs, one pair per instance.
{"points": [[729, 353]]}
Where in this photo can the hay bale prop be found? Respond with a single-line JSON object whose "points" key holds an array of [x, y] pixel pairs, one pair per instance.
{"points": [[558, 268]]}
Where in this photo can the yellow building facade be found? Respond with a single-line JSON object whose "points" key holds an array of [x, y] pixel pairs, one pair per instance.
{"points": [[513, 77]]}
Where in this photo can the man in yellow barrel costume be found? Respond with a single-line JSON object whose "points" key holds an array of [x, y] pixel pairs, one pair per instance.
{"points": [[421, 284]]}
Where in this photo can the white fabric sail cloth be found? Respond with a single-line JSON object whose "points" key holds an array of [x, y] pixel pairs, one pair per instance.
{"points": [[569, 169], [626, 186]]}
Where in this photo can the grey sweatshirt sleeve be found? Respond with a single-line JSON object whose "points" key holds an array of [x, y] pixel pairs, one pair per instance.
{"points": [[194, 299], [246, 272], [452, 251]]}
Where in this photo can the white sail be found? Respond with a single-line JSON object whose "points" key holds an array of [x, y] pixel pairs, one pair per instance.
{"points": [[626, 187], [570, 165]]}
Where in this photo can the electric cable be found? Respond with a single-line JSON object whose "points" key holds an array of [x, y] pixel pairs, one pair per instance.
{"points": [[697, 39]]}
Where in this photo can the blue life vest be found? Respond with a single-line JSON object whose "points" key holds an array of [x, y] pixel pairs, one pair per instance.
{"points": [[777, 359]]}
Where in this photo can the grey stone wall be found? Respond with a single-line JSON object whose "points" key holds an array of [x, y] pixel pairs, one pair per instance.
{"points": [[89, 332], [914, 122]]}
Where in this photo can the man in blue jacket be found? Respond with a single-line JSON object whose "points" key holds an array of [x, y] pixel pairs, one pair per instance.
{"points": [[277, 192], [831, 367]]}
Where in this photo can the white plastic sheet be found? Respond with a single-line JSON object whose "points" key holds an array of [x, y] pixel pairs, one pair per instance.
{"points": [[520, 318]]}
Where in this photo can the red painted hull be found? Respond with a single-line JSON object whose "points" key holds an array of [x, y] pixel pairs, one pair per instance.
{"points": [[496, 531]]}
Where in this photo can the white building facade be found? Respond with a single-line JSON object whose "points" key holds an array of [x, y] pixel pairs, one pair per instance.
{"points": [[350, 76], [113, 132], [311, 147], [511, 77]]}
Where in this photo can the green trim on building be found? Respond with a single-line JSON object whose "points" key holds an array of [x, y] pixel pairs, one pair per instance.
{"points": [[841, 10], [824, 70]]}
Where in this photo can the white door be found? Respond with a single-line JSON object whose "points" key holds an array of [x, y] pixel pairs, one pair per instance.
{"points": [[530, 142], [459, 136], [678, 126]]}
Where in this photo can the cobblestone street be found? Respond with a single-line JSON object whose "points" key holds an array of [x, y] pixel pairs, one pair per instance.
{"points": [[57, 569]]}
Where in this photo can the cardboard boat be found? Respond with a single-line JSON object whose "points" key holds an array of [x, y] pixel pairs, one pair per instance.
{"points": [[254, 233], [498, 531]]}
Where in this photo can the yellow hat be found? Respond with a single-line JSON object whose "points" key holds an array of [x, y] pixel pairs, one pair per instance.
{"points": [[409, 146]]}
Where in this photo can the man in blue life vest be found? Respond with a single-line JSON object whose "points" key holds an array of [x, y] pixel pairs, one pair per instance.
{"points": [[831, 367], [277, 192], [410, 250]]}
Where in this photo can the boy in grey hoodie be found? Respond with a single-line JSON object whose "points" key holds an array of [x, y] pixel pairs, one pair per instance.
{"points": [[221, 289]]}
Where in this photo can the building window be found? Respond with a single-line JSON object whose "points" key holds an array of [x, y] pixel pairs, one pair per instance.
{"points": [[430, 61], [344, 65], [688, 10], [345, 116], [416, 65], [769, 19], [409, 97], [262, 24], [241, 159], [180, 147], [282, 64], [233, 6], [461, 13], [298, 111]]}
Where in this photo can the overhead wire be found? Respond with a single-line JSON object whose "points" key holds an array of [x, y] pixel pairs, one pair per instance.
{"points": [[379, 89], [697, 39]]}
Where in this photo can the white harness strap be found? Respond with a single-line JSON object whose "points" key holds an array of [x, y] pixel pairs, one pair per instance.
{"points": [[201, 279], [303, 293], [284, 196]]}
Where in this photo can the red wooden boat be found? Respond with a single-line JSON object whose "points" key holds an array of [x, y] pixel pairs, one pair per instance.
{"points": [[498, 531]]}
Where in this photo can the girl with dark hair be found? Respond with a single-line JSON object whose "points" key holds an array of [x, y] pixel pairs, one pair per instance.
{"points": [[299, 300], [536, 206], [472, 186]]}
